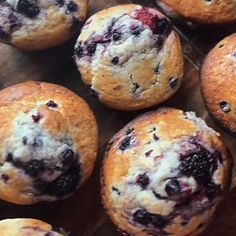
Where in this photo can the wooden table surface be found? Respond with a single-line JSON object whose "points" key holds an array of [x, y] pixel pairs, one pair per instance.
{"points": [[82, 214]]}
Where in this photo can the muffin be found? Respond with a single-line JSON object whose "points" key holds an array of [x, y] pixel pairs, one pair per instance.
{"points": [[218, 83], [34, 25], [48, 142], [204, 11], [26, 227], [165, 174], [130, 56]]}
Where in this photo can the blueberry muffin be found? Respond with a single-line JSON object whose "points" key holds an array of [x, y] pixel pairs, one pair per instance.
{"points": [[165, 174], [204, 11], [130, 56], [40, 24], [26, 227], [48, 142], [218, 83]]}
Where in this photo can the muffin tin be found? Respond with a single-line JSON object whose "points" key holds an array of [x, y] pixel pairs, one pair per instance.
{"points": [[83, 214]]}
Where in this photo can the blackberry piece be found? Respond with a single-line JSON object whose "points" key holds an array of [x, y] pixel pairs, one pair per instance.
{"points": [[212, 190], [28, 8], [67, 157], [33, 167], [172, 187], [125, 143], [201, 165], [143, 180], [144, 218]]}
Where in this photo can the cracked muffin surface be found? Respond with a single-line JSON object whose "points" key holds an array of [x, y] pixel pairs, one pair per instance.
{"points": [[48, 142], [40, 24], [130, 56], [218, 83], [26, 227], [164, 174], [204, 11]]}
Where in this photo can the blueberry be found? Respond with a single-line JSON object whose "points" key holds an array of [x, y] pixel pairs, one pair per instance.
{"points": [[27, 8], [135, 88], [201, 165], [125, 143], [67, 157], [60, 2], [163, 26], [32, 168], [172, 187], [148, 153], [51, 104], [115, 60], [37, 142], [116, 35], [144, 218], [116, 190], [3, 34], [136, 31], [50, 234], [24, 140], [225, 106], [71, 6], [91, 48], [129, 131], [79, 51], [158, 221], [173, 82], [66, 183], [155, 137], [142, 180], [9, 157], [36, 118], [157, 69], [5, 177], [76, 24]]}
